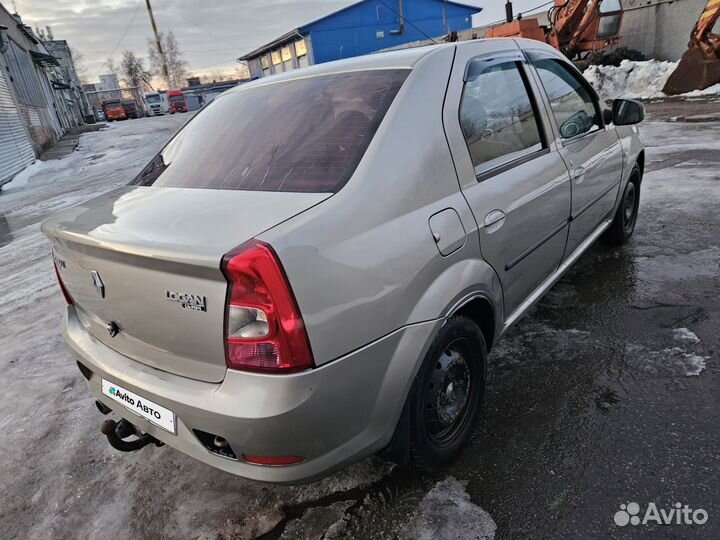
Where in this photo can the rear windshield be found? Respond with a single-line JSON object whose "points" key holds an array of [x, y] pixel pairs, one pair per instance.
{"points": [[303, 135]]}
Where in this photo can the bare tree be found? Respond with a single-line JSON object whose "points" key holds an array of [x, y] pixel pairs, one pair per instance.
{"points": [[213, 76], [242, 71], [133, 71], [78, 60], [111, 66], [176, 63]]}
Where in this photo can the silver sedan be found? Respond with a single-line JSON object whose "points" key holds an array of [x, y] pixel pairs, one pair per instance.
{"points": [[315, 268]]}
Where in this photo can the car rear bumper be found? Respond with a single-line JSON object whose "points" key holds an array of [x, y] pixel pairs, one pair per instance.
{"points": [[332, 415]]}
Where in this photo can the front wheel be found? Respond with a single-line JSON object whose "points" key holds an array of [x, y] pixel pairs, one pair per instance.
{"points": [[623, 224], [444, 403]]}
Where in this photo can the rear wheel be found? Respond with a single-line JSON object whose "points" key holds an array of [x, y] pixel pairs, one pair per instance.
{"points": [[445, 400], [623, 224]]}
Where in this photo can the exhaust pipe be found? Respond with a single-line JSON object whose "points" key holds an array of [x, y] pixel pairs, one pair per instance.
{"points": [[118, 432]]}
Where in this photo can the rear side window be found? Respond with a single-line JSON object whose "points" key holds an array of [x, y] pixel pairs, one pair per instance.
{"points": [[304, 135], [571, 102], [497, 117]]}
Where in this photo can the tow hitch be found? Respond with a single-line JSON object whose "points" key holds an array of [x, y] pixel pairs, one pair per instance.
{"points": [[119, 436]]}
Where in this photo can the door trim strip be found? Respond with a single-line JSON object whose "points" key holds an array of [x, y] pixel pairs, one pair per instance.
{"points": [[535, 246], [588, 205], [555, 276]]}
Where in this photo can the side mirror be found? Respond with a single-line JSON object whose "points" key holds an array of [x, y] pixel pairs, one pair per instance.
{"points": [[627, 112]]}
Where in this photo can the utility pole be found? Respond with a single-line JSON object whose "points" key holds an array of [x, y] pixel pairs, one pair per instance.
{"points": [[158, 44]]}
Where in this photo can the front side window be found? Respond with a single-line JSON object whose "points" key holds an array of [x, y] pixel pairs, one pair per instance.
{"points": [[497, 117], [303, 135], [571, 102]]}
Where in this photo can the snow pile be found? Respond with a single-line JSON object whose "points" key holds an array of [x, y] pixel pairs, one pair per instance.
{"points": [[713, 90], [684, 334], [447, 513], [20, 180], [694, 364], [631, 79]]}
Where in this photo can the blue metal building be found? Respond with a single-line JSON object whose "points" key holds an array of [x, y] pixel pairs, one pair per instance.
{"points": [[361, 28]]}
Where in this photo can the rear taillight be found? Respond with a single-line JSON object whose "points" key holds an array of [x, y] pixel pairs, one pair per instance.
{"points": [[65, 292], [263, 327]]}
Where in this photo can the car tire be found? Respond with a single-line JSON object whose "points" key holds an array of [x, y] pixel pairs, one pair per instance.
{"points": [[623, 225], [446, 397]]}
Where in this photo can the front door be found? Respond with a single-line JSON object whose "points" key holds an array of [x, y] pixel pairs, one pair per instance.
{"points": [[508, 165], [591, 150]]}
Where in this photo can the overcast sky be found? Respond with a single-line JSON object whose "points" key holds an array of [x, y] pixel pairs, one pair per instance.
{"points": [[212, 34]]}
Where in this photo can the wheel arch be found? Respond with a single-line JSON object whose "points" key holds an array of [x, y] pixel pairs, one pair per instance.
{"points": [[641, 163], [481, 311]]}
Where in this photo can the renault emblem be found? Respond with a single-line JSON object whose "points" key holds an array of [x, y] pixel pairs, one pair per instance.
{"points": [[99, 285]]}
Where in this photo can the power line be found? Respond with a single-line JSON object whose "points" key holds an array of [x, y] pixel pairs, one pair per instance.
{"points": [[127, 28], [234, 58], [522, 13], [169, 7], [405, 20]]}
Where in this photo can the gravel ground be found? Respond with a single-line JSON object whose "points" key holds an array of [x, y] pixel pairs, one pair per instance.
{"points": [[604, 395]]}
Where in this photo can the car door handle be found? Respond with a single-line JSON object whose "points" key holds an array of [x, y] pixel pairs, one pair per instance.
{"points": [[578, 173], [494, 220]]}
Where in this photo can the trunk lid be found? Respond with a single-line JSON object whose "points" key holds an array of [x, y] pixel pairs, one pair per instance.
{"points": [[148, 260]]}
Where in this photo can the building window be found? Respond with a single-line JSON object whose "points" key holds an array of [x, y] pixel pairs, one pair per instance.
{"points": [[287, 58], [25, 79], [300, 48], [276, 58], [265, 65]]}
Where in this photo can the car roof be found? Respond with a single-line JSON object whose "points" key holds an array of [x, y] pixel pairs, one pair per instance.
{"points": [[394, 59]]}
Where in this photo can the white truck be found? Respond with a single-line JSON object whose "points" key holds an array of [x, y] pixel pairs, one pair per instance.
{"points": [[156, 104]]}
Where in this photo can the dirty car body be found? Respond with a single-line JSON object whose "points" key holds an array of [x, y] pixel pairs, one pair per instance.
{"points": [[273, 284]]}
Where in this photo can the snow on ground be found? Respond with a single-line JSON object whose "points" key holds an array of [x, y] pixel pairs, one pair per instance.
{"points": [[683, 334], [447, 512], [640, 80], [58, 476], [59, 479]]}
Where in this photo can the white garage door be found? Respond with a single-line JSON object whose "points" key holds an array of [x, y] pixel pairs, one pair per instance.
{"points": [[16, 151]]}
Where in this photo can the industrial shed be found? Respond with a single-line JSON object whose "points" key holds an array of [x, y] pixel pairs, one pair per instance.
{"points": [[361, 28]]}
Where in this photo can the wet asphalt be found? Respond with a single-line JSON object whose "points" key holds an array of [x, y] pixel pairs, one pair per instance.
{"points": [[605, 394], [596, 398]]}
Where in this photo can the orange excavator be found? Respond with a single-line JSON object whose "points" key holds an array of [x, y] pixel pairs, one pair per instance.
{"points": [[699, 67], [577, 27]]}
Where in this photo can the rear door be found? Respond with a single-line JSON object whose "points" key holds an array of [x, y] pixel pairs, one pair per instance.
{"points": [[509, 169], [591, 150]]}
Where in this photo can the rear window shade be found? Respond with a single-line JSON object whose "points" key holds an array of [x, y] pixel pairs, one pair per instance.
{"points": [[304, 135]]}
